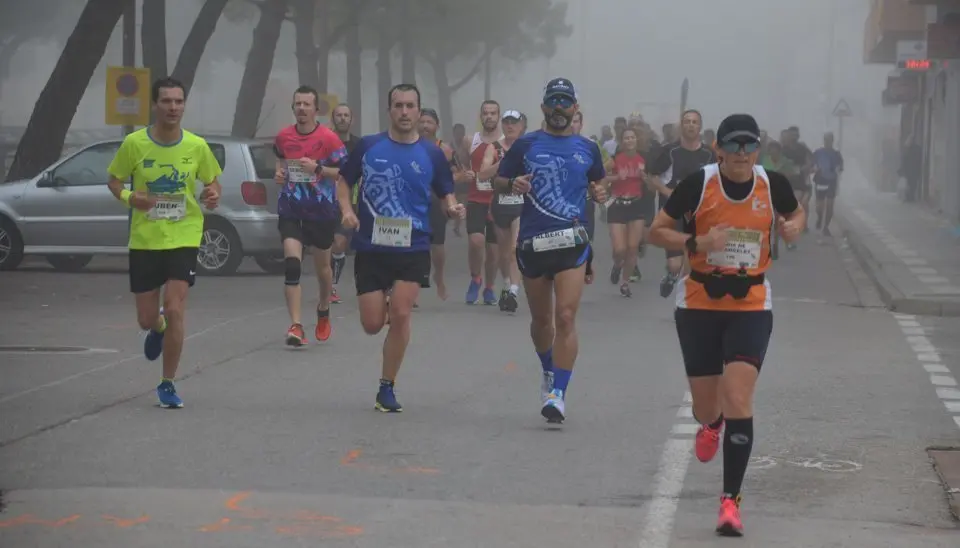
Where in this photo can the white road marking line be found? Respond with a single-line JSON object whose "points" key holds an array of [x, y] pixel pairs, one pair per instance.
{"points": [[933, 279], [106, 366], [948, 393], [687, 412], [935, 368], [943, 380], [687, 397], [909, 323], [904, 316], [953, 406], [957, 420], [60, 353], [914, 261], [912, 330], [923, 270], [658, 525], [928, 357]]}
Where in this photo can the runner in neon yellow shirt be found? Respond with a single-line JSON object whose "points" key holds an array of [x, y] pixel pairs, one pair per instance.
{"points": [[166, 226]]}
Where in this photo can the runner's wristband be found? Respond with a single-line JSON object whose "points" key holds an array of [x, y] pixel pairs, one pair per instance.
{"points": [[125, 196]]}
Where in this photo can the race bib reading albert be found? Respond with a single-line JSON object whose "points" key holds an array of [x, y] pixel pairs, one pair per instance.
{"points": [[169, 207], [742, 250], [559, 239], [392, 232]]}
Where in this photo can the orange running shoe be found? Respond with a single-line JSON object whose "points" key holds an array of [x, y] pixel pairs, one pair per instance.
{"points": [[728, 522], [323, 325], [708, 442], [296, 336]]}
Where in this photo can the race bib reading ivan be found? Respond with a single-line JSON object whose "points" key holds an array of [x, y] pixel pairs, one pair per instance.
{"points": [[392, 232]]}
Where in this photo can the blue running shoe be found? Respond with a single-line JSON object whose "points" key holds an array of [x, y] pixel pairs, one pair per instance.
{"points": [[167, 394], [387, 399], [473, 292], [153, 344], [489, 297]]}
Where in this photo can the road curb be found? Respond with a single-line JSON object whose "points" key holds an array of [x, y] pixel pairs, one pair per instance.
{"points": [[889, 293], [946, 462]]}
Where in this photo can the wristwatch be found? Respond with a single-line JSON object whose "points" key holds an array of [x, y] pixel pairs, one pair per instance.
{"points": [[691, 244]]}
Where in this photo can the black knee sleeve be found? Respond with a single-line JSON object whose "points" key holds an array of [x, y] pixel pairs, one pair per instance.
{"points": [[291, 271]]}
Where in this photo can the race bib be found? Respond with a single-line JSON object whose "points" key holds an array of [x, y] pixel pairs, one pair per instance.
{"points": [[560, 239], [742, 250], [823, 188], [510, 199], [296, 173], [485, 186], [169, 207], [392, 232]]}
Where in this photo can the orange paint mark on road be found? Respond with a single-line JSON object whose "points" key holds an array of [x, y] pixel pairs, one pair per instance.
{"points": [[126, 523], [30, 519], [224, 525], [351, 457], [510, 368]]}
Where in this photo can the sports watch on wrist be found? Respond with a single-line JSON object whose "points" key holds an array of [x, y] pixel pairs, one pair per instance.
{"points": [[691, 244]]}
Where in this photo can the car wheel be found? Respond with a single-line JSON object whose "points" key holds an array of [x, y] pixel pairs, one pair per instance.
{"points": [[69, 263], [11, 245], [271, 264], [220, 251]]}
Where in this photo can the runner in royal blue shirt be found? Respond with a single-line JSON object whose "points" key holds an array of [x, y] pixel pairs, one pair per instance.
{"points": [[553, 168], [392, 239]]}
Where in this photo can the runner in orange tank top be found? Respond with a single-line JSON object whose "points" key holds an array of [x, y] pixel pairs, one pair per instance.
{"points": [[724, 317]]}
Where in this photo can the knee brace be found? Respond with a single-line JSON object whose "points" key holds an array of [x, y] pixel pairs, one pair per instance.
{"points": [[291, 271]]}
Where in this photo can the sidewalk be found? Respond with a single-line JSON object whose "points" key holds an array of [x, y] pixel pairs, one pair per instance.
{"points": [[910, 253]]}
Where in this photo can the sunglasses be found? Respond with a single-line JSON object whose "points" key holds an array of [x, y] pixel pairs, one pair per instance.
{"points": [[561, 101], [733, 147]]}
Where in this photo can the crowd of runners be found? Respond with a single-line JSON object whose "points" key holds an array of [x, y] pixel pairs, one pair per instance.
{"points": [[716, 202]]}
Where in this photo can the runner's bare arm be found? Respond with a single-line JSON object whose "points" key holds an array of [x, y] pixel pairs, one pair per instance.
{"points": [[488, 169], [684, 200]]}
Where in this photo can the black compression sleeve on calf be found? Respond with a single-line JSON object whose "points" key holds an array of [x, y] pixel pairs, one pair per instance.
{"points": [[737, 445]]}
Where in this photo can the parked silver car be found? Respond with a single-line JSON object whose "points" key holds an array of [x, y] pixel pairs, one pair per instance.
{"points": [[68, 215]]}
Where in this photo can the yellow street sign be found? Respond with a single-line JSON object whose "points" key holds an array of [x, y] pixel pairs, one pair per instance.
{"points": [[328, 102], [127, 96]]}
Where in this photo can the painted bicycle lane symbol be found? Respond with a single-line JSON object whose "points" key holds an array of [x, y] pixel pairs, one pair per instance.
{"points": [[823, 464]]}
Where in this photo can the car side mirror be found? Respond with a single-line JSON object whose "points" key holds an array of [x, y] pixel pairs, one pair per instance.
{"points": [[47, 180]]}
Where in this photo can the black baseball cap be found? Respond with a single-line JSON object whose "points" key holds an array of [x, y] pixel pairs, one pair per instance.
{"points": [[560, 87], [738, 127]]}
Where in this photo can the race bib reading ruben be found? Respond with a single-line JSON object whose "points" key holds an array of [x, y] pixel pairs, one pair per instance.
{"points": [[510, 199], [559, 239], [392, 232], [169, 207], [485, 186], [742, 250], [296, 173]]}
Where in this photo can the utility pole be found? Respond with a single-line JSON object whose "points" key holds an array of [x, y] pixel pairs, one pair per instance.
{"points": [[129, 42]]}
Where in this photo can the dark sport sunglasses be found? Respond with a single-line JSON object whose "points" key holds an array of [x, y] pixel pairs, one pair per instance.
{"points": [[733, 147], [561, 101]]}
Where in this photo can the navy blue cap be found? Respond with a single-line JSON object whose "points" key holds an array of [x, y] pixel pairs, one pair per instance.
{"points": [[559, 87]]}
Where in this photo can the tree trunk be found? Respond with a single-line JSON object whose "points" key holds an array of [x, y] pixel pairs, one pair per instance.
{"points": [[153, 39], [307, 58], [322, 30], [444, 95], [354, 70], [384, 74], [256, 74], [57, 104], [196, 42]]}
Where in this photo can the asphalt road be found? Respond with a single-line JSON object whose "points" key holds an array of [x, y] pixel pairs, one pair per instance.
{"points": [[283, 448]]}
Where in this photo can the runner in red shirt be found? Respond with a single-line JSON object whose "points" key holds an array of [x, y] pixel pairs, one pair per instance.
{"points": [[480, 227], [625, 216]]}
